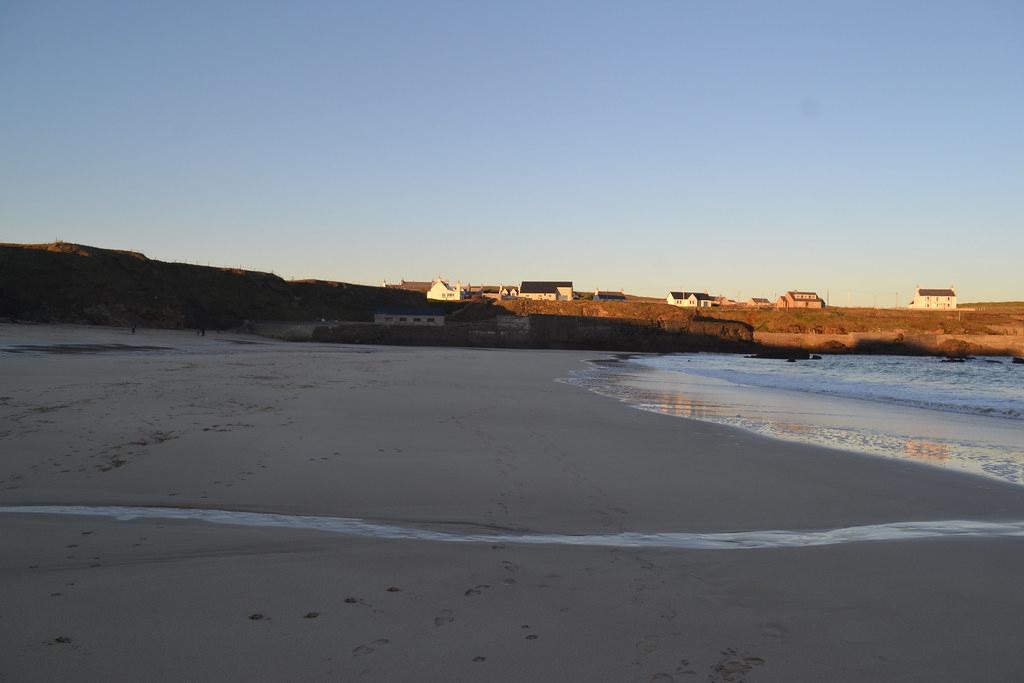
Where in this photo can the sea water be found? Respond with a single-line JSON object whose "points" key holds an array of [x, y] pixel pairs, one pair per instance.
{"points": [[967, 416]]}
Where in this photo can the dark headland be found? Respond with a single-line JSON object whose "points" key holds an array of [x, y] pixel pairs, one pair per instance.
{"points": [[69, 283]]}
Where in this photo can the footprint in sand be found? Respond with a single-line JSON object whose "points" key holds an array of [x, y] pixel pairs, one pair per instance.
{"points": [[446, 616], [647, 644], [513, 569], [684, 668], [476, 590], [510, 566], [369, 648], [733, 667]]}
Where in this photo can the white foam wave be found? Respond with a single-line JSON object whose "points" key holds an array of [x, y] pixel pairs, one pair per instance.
{"points": [[732, 540]]}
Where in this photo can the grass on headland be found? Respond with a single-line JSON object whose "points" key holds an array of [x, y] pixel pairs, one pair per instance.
{"points": [[1000, 318]]}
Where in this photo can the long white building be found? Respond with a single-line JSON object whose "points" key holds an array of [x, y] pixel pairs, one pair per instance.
{"points": [[560, 290]]}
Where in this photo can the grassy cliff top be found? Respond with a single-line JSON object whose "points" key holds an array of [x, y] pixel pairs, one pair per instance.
{"points": [[990, 318]]}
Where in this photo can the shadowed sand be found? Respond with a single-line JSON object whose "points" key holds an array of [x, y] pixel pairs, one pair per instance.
{"points": [[456, 439]]}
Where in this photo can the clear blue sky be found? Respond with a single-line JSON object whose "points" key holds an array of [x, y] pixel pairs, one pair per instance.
{"points": [[735, 147]]}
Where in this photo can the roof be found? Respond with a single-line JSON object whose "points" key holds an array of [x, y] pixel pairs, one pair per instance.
{"points": [[759, 300], [701, 296], [610, 295], [543, 287], [421, 311], [935, 292], [444, 283], [410, 285], [794, 293]]}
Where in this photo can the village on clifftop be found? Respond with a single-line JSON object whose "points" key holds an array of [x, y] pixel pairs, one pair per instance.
{"points": [[440, 289]]}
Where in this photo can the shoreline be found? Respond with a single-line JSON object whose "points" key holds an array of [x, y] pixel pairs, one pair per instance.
{"points": [[715, 400]]}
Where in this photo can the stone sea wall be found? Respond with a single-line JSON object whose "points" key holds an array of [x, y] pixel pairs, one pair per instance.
{"points": [[898, 343], [534, 331]]}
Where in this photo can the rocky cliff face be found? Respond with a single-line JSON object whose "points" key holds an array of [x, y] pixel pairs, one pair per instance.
{"points": [[72, 283]]}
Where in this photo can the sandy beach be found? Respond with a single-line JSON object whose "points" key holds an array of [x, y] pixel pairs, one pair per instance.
{"points": [[455, 440]]}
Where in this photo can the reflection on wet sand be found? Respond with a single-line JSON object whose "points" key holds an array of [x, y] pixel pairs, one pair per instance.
{"points": [[968, 443], [929, 451], [795, 428], [682, 406]]}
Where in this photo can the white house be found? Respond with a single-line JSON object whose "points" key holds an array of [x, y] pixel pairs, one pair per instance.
{"points": [[934, 298], [546, 291], [441, 290], [501, 292], [690, 299]]}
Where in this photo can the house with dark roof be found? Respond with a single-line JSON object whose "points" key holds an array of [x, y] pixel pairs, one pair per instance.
{"points": [[409, 316], [600, 295], [690, 299], [934, 298], [543, 290], [798, 299], [409, 285]]}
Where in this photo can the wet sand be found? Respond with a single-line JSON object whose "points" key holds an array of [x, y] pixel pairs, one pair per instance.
{"points": [[449, 439]]}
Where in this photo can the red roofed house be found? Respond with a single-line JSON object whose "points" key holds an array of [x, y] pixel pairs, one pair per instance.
{"points": [[795, 299]]}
